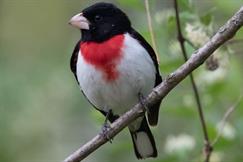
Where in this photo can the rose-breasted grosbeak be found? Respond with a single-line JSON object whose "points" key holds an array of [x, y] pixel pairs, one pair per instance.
{"points": [[114, 66]]}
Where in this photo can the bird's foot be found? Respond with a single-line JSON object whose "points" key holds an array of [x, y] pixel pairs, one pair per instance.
{"points": [[104, 132], [105, 128], [142, 100]]}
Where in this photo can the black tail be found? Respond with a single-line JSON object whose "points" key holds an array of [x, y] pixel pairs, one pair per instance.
{"points": [[153, 114], [143, 141]]}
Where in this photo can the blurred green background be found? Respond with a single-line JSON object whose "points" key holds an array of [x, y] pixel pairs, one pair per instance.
{"points": [[44, 117]]}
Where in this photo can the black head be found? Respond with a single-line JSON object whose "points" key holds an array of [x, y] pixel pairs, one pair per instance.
{"points": [[104, 21]]}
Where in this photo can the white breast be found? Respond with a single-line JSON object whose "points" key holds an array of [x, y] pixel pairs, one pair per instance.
{"points": [[136, 74]]}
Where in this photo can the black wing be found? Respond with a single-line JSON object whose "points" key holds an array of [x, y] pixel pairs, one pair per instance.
{"points": [[74, 59], [154, 113]]}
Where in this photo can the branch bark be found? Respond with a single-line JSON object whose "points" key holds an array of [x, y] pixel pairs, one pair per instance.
{"points": [[225, 33]]}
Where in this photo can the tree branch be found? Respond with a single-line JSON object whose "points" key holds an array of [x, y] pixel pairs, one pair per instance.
{"points": [[198, 57], [208, 148]]}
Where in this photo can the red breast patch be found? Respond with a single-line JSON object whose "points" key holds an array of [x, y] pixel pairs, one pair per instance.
{"points": [[104, 56]]}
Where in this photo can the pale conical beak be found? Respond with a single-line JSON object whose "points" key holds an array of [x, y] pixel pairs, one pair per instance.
{"points": [[79, 21]]}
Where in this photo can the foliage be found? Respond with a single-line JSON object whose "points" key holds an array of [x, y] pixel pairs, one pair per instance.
{"points": [[44, 117]]}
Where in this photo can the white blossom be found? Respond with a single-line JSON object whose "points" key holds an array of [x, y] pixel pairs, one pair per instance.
{"points": [[216, 156], [180, 143], [196, 34], [227, 130], [211, 77]]}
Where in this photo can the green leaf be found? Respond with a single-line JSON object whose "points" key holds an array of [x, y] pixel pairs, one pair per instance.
{"points": [[185, 5], [171, 24], [206, 19], [131, 3]]}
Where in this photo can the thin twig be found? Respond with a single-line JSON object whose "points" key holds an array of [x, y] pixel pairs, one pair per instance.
{"points": [[181, 39], [197, 58], [225, 118], [190, 43], [151, 31]]}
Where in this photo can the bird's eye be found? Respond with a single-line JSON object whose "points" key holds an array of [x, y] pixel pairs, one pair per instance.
{"points": [[98, 18]]}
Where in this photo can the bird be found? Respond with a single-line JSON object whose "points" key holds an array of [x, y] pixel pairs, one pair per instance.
{"points": [[116, 68]]}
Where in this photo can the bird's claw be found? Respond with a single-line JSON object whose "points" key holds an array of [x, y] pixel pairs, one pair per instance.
{"points": [[142, 102], [106, 126], [104, 130]]}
